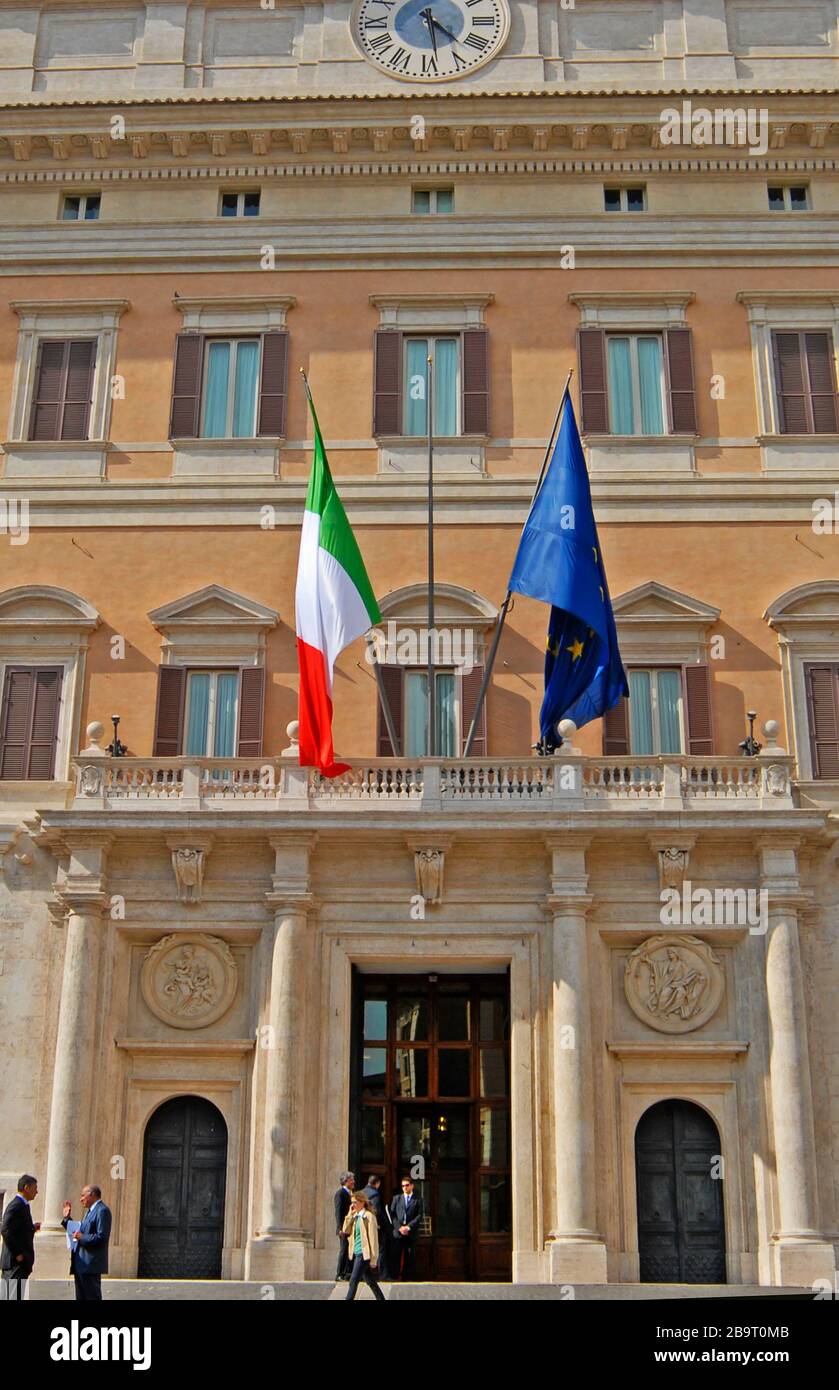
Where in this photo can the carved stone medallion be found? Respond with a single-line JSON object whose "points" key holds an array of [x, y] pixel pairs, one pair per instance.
{"points": [[189, 982], [674, 983]]}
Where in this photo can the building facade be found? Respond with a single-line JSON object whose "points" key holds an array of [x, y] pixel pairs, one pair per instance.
{"points": [[589, 1001]]}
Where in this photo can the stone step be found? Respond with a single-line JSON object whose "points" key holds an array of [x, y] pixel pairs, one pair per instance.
{"points": [[230, 1290]]}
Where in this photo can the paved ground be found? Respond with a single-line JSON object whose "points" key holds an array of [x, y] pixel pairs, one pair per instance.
{"points": [[217, 1290]]}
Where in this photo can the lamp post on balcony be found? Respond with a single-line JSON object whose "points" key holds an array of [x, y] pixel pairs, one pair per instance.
{"points": [[750, 746], [117, 749]]}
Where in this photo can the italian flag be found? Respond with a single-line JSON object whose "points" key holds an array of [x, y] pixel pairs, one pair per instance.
{"points": [[334, 605]]}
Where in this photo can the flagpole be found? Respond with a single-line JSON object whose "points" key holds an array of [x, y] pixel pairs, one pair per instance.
{"points": [[431, 740], [502, 616], [371, 646]]}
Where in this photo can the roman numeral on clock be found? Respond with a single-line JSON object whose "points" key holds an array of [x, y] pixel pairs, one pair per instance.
{"points": [[381, 43], [429, 64], [458, 61], [470, 4], [400, 59], [476, 41], [376, 23], [486, 20]]}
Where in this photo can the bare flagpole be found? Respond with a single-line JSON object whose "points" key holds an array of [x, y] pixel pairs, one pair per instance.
{"points": [[502, 616], [371, 645], [431, 740]]}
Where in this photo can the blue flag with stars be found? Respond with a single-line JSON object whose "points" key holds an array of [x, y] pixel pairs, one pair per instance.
{"points": [[559, 562]]}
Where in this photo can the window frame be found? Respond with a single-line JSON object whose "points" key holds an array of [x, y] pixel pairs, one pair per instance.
{"points": [[240, 194], [84, 199], [457, 711], [653, 672], [433, 191], [433, 338], [633, 337], [213, 672], [624, 189], [259, 339], [786, 190]]}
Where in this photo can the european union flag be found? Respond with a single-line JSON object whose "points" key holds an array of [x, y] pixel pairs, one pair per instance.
{"points": [[559, 561]]}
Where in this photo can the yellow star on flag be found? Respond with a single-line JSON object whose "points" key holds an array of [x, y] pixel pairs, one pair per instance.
{"points": [[576, 649]]}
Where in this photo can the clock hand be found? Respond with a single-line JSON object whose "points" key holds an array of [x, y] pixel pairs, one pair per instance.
{"points": [[429, 21], [444, 30]]}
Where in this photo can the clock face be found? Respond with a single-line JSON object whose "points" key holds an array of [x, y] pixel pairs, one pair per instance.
{"points": [[429, 40]]}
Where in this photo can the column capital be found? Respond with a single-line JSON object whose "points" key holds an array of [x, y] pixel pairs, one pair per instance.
{"points": [[556, 903], [79, 902], [287, 900]]}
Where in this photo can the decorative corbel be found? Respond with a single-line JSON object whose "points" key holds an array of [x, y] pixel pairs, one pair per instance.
{"points": [[188, 863]]}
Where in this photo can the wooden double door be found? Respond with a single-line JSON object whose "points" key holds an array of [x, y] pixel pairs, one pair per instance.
{"points": [[681, 1221], [184, 1180]]}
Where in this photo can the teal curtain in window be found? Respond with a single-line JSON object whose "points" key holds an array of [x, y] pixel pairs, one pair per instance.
{"points": [[224, 742], [649, 373], [416, 699], [197, 716], [445, 717], [669, 694], [620, 386], [640, 714], [244, 401], [445, 386], [416, 365], [215, 391]]}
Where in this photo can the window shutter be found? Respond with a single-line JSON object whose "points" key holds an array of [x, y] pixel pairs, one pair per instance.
{"points": [[169, 725], [273, 386], [616, 730], [790, 383], [30, 718], [184, 422], [251, 708], [680, 381], [46, 404], [470, 685], [78, 389], [594, 400], [392, 681], [476, 381], [822, 379], [823, 718], [699, 724], [387, 382]]}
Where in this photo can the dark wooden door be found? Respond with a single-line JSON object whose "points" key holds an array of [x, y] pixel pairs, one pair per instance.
{"points": [[184, 1176], [681, 1222], [438, 1136]]}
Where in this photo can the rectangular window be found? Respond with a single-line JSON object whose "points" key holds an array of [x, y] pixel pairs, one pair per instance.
{"points": [[625, 199], [447, 714], [789, 198], [63, 389], [240, 204], [805, 382], [655, 712], [29, 722], [81, 207], [212, 700], [636, 384], [446, 357], [432, 201], [231, 388]]}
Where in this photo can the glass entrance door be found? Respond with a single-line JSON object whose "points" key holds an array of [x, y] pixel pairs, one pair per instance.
{"points": [[434, 1142]]}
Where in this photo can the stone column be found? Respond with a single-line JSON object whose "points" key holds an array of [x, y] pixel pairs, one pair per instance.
{"points": [[800, 1252], [576, 1251], [279, 1248]]}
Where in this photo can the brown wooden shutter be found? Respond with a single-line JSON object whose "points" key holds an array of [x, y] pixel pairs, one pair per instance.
{"points": [[790, 382], [387, 382], [822, 684], [78, 389], [680, 382], [476, 381], [594, 400], [470, 685], [251, 711], [616, 730], [392, 681], [29, 723], [818, 350], [45, 422], [698, 715], [184, 421], [169, 724], [273, 386]]}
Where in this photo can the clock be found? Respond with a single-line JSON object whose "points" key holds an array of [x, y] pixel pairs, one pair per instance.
{"points": [[429, 40]]}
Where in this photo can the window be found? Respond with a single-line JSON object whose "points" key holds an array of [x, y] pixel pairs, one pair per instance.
{"points": [[805, 382], [63, 389], [788, 198], [240, 204], [81, 207], [230, 388], [446, 711], [636, 384], [445, 355], [656, 719], [822, 684], [432, 201], [29, 722], [625, 199], [212, 699]]}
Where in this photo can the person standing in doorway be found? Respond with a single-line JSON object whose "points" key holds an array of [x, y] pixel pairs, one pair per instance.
{"points": [[373, 1193], [406, 1214], [89, 1254], [341, 1202], [362, 1231], [18, 1231]]}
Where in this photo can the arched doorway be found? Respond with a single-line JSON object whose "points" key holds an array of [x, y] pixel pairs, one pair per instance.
{"points": [[681, 1221], [184, 1175]]}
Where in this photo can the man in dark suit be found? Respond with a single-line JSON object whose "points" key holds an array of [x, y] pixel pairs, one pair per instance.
{"points": [[17, 1228], [405, 1214], [341, 1203], [89, 1255], [374, 1196]]}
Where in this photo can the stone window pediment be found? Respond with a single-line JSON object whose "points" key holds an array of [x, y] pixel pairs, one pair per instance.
{"points": [[656, 623], [806, 620], [214, 625]]}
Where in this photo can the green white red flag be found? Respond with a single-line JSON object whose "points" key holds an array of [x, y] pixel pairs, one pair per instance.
{"points": [[334, 605]]}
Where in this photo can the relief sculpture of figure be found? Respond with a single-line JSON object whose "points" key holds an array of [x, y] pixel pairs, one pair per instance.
{"points": [[675, 988], [191, 984]]}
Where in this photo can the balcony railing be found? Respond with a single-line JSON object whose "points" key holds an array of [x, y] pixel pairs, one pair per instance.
{"points": [[436, 784]]}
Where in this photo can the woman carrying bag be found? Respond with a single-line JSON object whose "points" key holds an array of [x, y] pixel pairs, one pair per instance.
{"points": [[362, 1232]]}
